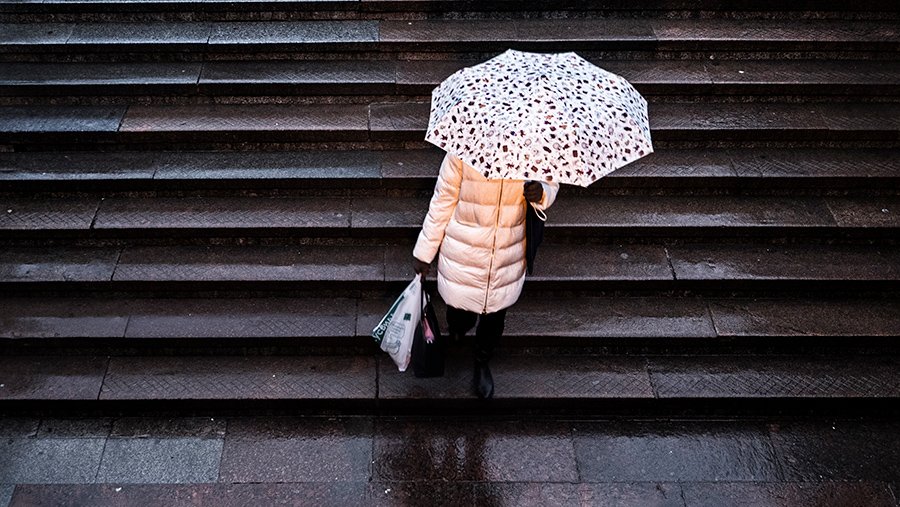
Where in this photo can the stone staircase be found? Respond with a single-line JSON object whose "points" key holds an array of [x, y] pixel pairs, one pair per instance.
{"points": [[208, 206]]}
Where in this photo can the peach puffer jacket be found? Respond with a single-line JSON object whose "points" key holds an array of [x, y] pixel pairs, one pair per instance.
{"points": [[479, 227]]}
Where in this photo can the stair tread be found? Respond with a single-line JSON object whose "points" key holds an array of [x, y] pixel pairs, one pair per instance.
{"points": [[558, 262], [423, 165], [399, 34], [517, 377]]}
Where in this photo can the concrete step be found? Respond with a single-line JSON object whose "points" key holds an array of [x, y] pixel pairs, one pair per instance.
{"points": [[473, 35], [592, 268], [419, 77], [624, 216], [79, 325], [657, 385], [757, 170], [229, 125]]}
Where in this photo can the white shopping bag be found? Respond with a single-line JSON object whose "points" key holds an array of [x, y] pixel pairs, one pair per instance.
{"points": [[396, 330]]}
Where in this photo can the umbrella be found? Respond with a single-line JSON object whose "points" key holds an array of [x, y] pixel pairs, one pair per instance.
{"points": [[553, 117]]}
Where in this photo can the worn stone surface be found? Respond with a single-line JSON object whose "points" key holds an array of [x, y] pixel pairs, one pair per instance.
{"points": [[61, 264], [412, 164], [383, 493], [70, 166], [846, 450], [164, 495], [169, 427], [72, 119], [865, 212], [602, 262], [815, 163], [6, 493], [398, 121], [242, 317], [222, 213], [47, 214], [297, 449], [51, 377], [799, 494], [779, 262], [660, 494], [265, 165], [413, 449], [248, 33], [240, 378], [140, 33], [19, 426], [95, 427], [684, 451], [29, 317], [221, 263], [326, 77], [160, 460], [740, 377], [49, 460], [731, 120], [34, 33], [805, 317], [675, 164], [99, 74], [446, 31], [380, 213]]}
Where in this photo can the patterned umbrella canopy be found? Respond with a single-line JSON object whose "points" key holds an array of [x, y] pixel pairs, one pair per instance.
{"points": [[554, 117]]}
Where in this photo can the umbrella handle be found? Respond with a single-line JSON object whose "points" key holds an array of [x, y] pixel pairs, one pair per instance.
{"points": [[539, 212]]}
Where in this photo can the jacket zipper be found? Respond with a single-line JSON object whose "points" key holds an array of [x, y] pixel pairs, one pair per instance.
{"points": [[487, 290]]}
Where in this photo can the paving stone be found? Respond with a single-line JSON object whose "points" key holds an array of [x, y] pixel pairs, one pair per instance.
{"points": [[325, 77], [242, 318], [876, 211], [608, 31], [526, 377], [819, 77], [94, 427], [6, 493], [240, 378], [852, 450], [297, 449], [61, 317], [657, 76], [674, 451], [543, 493], [245, 34], [51, 377], [160, 460], [251, 263], [677, 121], [784, 262], [114, 34], [690, 213], [816, 35], [71, 166], [34, 33], [167, 427], [609, 317], [345, 166], [346, 122], [805, 317], [60, 264], [776, 377], [223, 213], [418, 493], [31, 214], [398, 121], [163, 495], [417, 32], [99, 74], [49, 460], [464, 450], [50, 119], [18, 426], [818, 163], [799, 494]]}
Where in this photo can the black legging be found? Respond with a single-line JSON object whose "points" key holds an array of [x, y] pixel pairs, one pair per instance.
{"points": [[487, 334]]}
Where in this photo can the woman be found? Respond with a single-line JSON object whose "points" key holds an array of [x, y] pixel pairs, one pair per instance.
{"points": [[479, 227]]}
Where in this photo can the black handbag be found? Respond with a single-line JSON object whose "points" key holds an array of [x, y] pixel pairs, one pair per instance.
{"points": [[428, 344], [534, 235]]}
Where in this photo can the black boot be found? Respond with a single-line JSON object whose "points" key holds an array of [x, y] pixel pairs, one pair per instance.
{"points": [[482, 380]]}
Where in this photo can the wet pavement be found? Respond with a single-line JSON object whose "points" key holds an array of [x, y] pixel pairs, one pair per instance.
{"points": [[366, 460]]}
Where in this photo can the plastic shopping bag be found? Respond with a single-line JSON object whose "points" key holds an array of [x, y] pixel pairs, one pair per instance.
{"points": [[397, 329]]}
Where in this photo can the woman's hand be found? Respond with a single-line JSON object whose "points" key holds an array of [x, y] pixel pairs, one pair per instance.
{"points": [[421, 267], [534, 191]]}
